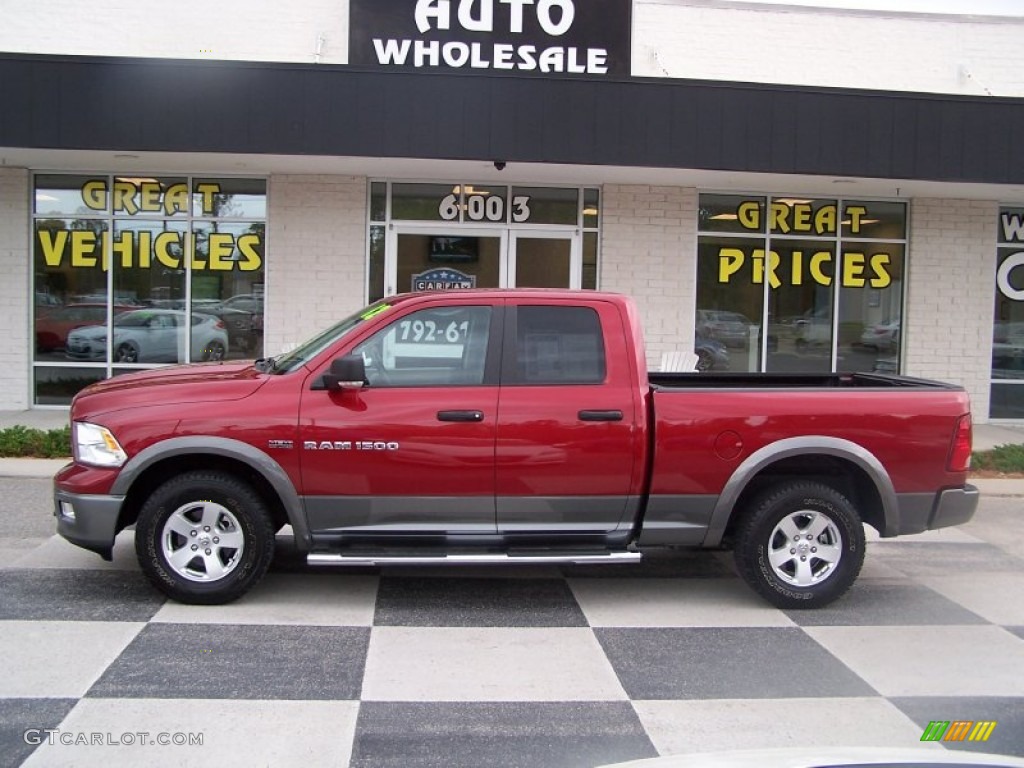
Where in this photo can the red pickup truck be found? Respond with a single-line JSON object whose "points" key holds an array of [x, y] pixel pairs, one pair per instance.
{"points": [[506, 426]]}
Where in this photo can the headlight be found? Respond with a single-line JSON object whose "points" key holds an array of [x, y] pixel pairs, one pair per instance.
{"points": [[96, 445]]}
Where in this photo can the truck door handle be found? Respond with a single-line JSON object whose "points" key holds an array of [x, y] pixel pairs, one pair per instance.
{"points": [[460, 416], [600, 415]]}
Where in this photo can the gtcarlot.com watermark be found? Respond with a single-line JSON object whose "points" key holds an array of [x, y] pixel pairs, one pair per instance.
{"points": [[37, 736]]}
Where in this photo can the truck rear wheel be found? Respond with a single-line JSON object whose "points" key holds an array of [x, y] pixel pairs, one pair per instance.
{"points": [[801, 546], [204, 537]]}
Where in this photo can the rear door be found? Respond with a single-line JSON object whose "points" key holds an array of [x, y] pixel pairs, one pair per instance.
{"points": [[413, 451], [569, 456]]}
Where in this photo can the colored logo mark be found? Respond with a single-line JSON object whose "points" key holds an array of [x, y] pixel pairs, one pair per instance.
{"points": [[958, 730]]}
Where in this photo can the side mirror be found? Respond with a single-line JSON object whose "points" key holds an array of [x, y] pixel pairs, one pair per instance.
{"points": [[348, 372]]}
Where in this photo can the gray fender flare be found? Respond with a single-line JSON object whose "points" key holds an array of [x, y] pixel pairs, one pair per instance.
{"points": [[221, 446], [801, 446]]}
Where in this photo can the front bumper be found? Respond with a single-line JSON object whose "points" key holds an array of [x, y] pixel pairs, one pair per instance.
{"points": [[88, 520]]}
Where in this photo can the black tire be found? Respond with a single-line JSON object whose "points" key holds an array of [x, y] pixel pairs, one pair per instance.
{"points": [[126, 352], [801, 545], [705, 360], [219, 520], [214, 351]]}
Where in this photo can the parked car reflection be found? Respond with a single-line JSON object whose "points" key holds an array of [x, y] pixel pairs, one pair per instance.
{"points": [[883, 336], [243, 317], [54, 324], [711, 354], [730, 328], [150, 336]]}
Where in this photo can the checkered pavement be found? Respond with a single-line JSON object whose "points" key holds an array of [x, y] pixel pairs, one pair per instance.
{"points": [[509, 666]]}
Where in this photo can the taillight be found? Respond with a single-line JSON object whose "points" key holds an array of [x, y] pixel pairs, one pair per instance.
{"points": [[960, 452]]}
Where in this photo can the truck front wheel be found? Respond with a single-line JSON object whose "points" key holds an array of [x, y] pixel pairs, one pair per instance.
{"points": [[204, 537], [801, 546]]}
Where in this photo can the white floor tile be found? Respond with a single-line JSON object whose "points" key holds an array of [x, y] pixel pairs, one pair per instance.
{"points": [[674, 603], [679, 727], [58, 552], [931, 660], [58, 659], [475, 664], [283, 598], [998, 597], [303, 734]]}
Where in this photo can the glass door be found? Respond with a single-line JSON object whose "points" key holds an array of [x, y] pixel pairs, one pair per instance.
{"points": [[544, 259], [437, 258], [440, 258]]}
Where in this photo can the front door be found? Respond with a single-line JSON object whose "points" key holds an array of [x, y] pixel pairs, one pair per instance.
{"points": [[414, 451], [444, 258], [544, 259], [439, 257]]}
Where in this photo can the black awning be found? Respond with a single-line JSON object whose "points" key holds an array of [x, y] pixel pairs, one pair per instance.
{"points": [[297, 109]]}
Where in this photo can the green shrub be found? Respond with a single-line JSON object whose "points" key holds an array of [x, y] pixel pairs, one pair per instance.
{"points": [[36, 443], [1002, 458]]}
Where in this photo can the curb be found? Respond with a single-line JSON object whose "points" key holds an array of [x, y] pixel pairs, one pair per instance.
{"points": [[32, 468]]}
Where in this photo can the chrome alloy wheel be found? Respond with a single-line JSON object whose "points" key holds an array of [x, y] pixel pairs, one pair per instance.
{"points": [[805, 548], [202, 541]]}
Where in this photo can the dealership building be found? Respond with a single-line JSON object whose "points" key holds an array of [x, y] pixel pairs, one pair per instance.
{"points": [[782, 188]]}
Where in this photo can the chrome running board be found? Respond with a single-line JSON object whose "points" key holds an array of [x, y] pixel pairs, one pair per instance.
{"points": [[331, 558]]}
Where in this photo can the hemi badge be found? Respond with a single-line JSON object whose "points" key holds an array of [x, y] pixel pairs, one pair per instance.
{"points": [[280, 444]]}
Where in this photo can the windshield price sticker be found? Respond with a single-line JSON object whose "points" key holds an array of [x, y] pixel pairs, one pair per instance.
{"points": [[431, 332]]}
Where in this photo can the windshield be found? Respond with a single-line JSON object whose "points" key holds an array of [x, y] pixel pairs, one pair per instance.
{"points": [[303, 353]]}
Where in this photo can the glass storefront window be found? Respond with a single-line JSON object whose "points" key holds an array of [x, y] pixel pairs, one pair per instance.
{"points": [[1007, 394], [591, 208], [730, 298], [588, 278], [378, 201], [819, 274], [60, 195], [229, 198], [545, 205], [731, 214], [424, 202], [147, 270]]}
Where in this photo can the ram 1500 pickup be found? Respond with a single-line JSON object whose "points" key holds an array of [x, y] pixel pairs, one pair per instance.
{"points": [[506, 426]]}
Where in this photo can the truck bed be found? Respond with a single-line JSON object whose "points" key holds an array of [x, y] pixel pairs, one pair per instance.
{"points": [[743, 380]]}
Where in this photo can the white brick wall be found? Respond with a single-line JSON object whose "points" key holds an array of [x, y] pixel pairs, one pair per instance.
{"points": [[316, 255], [704, 39], [15, 340], [246, 30], [649, 251], [828, 47], [951, 287]]}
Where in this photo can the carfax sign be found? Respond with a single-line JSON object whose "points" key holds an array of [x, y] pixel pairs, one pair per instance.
{"points": [[535, 37]]}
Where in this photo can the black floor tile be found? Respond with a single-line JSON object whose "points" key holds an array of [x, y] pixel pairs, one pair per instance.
{"points": [[920, 559], [225, 661], [659, 564], [23, 725], [506, 735], [1007, 737], [76, 595], [872, 604], [473, 602], [717, 663]]}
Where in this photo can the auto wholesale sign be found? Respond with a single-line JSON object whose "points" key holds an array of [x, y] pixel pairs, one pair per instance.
{"points": [[535, 37]]}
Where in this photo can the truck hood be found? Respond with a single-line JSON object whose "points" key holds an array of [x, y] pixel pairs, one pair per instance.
{"points": [[201, 382]]}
